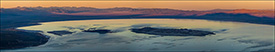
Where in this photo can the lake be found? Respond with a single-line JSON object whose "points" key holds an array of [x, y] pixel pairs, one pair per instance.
{"points": [[230, 36]]}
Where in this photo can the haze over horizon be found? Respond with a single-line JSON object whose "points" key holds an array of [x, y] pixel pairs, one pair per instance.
{"points": [[181, 5]]}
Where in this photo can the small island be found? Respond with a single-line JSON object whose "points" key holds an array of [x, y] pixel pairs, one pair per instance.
{"points": [[60, 33], [100, 31], [172, 32]]}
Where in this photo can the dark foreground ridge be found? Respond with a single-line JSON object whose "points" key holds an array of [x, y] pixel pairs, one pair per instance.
{"points": [[13, 39], [171, 32], [60, 33]]}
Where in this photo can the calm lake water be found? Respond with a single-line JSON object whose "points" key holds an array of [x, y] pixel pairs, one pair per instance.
{"points": [[230, 36]]}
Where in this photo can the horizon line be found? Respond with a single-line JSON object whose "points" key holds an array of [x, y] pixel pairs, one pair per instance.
{"points": [[136, 1], [135, 8]]}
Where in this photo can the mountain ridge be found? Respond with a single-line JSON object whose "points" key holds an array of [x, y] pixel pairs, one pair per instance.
{"points": [[147, 11]]}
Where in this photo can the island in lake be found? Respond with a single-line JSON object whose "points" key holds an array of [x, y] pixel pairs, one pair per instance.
{"points": [[100, 31], [172, 32], [60, 33]]}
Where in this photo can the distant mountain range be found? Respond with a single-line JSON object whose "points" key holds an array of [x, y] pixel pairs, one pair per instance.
{"points": [[89, 11], [32, 15]]}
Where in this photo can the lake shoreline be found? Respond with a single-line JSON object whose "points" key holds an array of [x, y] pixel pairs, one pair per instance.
{"points": [[233, 35], [39, 23]]}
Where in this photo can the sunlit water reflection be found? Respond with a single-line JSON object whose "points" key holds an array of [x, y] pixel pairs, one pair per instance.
{"points": [[237, 37]]}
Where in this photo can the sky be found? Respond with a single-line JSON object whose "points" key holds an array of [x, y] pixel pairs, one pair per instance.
{"points": [[181, 5]]}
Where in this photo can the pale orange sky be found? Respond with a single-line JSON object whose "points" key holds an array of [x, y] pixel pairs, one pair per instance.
{"points": [[182, 5]]}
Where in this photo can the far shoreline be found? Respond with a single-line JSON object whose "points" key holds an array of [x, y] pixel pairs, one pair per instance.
{"points": [[41, 23]]}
